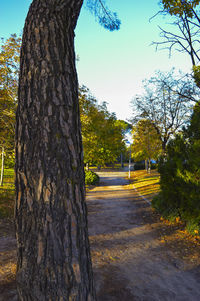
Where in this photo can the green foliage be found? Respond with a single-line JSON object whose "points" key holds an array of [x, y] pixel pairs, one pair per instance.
{"points": [[179, 7], [7, 195], [166, 103], [193, 226], [91, 178], [196, 70], [10, 160], [180, 176], [102, 133], [9, 70], [146, 141]]}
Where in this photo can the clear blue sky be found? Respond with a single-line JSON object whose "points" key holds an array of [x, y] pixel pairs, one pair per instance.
{"points": [[112, 64]]}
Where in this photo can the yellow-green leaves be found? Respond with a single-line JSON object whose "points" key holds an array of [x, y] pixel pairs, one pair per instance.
{"points": [[146, 142], [178, 7], [102, 134], [9, 70], [196, 70]]}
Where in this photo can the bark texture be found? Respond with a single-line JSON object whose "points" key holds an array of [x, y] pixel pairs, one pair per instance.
{"points": [[51, 219]]}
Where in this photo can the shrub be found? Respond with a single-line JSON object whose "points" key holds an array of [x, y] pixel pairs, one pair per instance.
{"points": [[167, 211], [180, 177], [193, 226], [10, 160], [91, 178]]}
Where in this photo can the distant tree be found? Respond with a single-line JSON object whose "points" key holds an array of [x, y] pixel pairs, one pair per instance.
{"points": [[102, 133], [54, 260], [9, 71], [166, 102], [146, 142]]}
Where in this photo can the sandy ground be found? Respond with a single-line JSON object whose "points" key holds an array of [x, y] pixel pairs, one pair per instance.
{"points": [[130, 261], [7, 261]]}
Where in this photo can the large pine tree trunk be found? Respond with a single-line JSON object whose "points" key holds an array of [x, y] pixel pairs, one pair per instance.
{"points": [[51, 220]]}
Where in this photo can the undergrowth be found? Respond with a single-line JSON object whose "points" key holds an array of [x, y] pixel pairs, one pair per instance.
{"points": [[91, 178], [7, 195]]}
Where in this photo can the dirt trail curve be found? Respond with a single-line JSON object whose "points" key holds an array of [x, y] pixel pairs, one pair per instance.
{"points": [[129, 260]]}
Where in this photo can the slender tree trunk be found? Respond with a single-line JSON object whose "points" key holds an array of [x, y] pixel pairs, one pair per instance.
{"points": [[149, 165], [122, 163], [146, 165], [51, 219], [164, 143], [2, 166]]}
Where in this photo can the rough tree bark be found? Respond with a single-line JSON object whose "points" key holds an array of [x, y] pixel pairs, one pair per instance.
{"points": [[51, 219]]}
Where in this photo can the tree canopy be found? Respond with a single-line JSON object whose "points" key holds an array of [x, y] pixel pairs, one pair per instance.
{"points": [[179, 7], [146, 143], [9, 71], [102, 133], [166, 102]]}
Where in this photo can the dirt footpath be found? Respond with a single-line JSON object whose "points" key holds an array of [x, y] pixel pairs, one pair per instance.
{"points": [[7, 261], [130, 261], [135, 256]]}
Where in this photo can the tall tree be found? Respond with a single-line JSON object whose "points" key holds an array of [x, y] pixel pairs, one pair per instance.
{"points": [[146, 143], [9, 69], [102, 134], [166, 102], [51, 221]]}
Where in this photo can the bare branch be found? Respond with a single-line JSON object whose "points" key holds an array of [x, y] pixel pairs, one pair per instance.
{"points": [[186, 37], [166, 102]]}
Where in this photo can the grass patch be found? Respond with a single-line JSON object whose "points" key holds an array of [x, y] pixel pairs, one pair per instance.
{"points": [[147, 184], [116, 166], [7, 194]]}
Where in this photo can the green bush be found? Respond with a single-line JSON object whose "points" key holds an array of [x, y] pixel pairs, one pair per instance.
{"points": [[180, 177], [193, 226], [168, 212], [10, 160], [91, 178]]}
